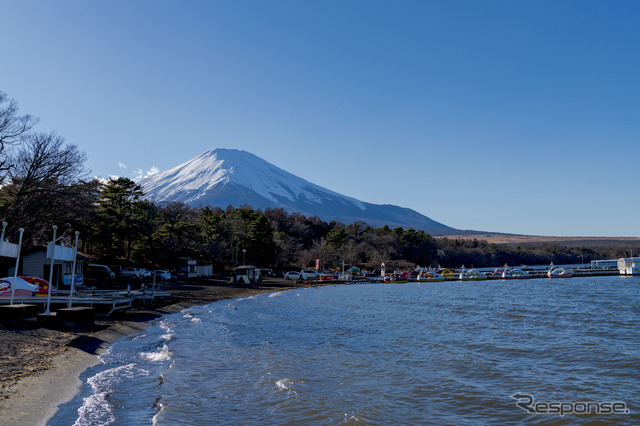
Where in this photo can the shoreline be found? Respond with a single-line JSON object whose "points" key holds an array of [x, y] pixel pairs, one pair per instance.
{"points": [[47, 362]]}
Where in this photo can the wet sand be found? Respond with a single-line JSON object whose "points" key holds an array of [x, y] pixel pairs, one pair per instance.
{"points": [[39, 366]]}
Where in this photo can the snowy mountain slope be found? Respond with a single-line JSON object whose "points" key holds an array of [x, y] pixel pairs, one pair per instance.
{"points": [[223, 177]]}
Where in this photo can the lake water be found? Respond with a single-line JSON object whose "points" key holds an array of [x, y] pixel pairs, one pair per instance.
{"points": [[417, 353]]}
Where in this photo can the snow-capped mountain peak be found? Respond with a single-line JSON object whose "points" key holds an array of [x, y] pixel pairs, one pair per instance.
{"points": [[191, 181], [222, 177]]}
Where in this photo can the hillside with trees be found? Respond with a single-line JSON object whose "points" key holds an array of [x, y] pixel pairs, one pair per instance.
{"points": [[45, 183]]}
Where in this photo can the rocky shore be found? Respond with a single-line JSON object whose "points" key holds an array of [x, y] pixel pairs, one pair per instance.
{"points": [[39, 366]]}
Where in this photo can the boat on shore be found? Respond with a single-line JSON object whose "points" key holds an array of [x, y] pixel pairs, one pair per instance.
{"points": [[448, 273], [559, 273], [427, 275], [22, 287], [471, 275], [514, 274], [43, 285], [395, 279]]}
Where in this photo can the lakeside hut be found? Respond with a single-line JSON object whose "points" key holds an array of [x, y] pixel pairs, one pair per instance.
{"points": [[35, 263], [247, 274]]}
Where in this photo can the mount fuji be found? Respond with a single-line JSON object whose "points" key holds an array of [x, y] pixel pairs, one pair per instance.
{"points": [[223, 177]]}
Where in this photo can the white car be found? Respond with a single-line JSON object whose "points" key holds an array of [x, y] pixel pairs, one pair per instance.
{"points": [[162, 274], [131, 272], [309, 274], [292, 275]]}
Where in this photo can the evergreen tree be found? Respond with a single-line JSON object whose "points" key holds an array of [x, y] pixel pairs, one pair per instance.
{"points": [[117, 226]]}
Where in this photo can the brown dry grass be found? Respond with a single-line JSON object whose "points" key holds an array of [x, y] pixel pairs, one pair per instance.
{"points": [[537, 239]]}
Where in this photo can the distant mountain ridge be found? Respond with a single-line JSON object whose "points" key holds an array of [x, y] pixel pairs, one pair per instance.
{"points": [[223, 177]]}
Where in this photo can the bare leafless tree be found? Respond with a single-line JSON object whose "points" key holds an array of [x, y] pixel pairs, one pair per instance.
{"points": [[13, 129], [40, 189]]}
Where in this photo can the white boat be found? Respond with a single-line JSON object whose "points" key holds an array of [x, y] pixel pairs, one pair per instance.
{"points": [[471, 275], [395, 278], [22, 287], [427, 275], [514, 273], [559, 273]]}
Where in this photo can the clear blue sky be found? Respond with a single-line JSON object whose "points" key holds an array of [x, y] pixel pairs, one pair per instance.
{"points": [[505, 116]]}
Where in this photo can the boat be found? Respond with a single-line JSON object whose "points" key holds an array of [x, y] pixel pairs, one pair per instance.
{"points": [[559, 273], [471, 275], [427, 275], [514, 273], [22, 287], [448, 273], [395, 279], [43, 285]]}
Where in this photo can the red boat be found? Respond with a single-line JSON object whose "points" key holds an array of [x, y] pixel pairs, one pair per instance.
{"points": [[43, 285], [22, 287]]}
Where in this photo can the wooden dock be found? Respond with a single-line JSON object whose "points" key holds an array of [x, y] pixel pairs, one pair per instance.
{"points": [[107, 301]]}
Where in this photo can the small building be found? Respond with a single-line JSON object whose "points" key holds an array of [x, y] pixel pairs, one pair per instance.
{"points": [[187, 268], [204, 270], [34, 263], [247, 274], [629, 266]]}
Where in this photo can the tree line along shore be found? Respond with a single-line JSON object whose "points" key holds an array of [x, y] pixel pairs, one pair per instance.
{"points": [[44, 182]]}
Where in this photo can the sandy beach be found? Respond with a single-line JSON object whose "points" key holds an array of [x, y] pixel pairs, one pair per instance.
{"points": [[39, 366]]}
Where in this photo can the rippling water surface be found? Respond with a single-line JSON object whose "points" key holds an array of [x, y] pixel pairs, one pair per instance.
{"points": [[452, 352]]}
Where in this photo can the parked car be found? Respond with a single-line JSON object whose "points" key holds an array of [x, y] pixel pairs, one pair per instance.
{"points": [[131, 272], [99, 272], [145, 273], [309, 274], [370, 276], [162, 274], [292, 275]]}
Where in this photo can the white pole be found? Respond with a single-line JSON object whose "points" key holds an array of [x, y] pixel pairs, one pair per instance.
{"points": [[15, 275], [73, 271], [53, 256]]}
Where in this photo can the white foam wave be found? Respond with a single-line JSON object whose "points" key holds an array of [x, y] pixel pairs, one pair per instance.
{"points": [[285, 385], [95, 408], [191, 317], [240, 299], [165, 326], [282, 384], [276, 294], [161, 355]]}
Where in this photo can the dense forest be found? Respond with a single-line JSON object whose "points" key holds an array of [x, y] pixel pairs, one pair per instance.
{"points": [[44, 182]]}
